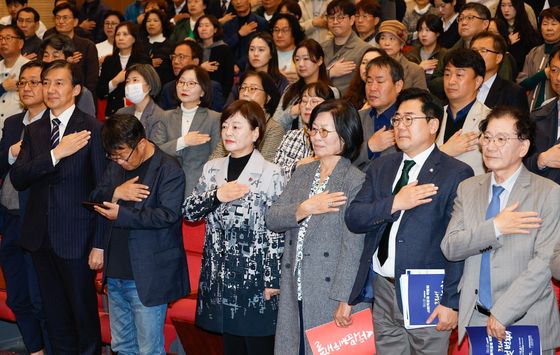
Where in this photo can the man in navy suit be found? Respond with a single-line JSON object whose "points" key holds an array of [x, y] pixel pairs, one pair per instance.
{"points": [[142, 191], [404, 207], [21, 280], [61, 160]]}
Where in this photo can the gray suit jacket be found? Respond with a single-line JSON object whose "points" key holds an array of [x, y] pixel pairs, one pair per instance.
{"points": [[352, 50], [363, 161], [167, 130], [555, 264], [151, 114], [521, 287], [331, 254]]}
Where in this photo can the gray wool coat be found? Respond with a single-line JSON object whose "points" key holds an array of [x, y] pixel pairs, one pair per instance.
{"points": [[331, 254]]}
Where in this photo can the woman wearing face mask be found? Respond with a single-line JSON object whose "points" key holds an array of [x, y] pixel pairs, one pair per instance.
{"points": [[128, 51], [260, 88], [240, 273], [141, 86], [356, 93], [310, 66], [155, 39], [295, 145], [191, 131]]}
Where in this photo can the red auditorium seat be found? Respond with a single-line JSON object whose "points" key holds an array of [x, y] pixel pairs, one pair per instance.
{"points": [[5, 312]]}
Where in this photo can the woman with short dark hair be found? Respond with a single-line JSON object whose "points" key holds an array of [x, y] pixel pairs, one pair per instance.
{"points": [[240, 273], [321, 256], [429, 54], [155, 31]]}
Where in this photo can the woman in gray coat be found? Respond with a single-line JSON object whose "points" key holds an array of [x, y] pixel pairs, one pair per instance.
{"points": [[321, 256]]}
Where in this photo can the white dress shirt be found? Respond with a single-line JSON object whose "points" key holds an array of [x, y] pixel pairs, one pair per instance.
{"points": [[485, 88], [504, 196], [64, 118]]}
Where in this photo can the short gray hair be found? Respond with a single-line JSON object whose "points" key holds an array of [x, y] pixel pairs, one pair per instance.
{"points": [[149, 74]]}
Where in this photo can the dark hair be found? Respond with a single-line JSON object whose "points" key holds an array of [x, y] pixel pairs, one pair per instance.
{"points": [[431, 105], [502, 27], [315, 52], [292, 7], [521, 24], [384, 61], [116, 13], [196, 49], [162, 18], [499, 42], [203, 80], [60, 64], [371, 7], [321, 90], [214, 21], [458, 4], [17, 31], [149, 74], [21, 2], [251, 111], [297, 31], [121, 130], [480, 9], [356, 92], [347, 124], [60, 43], [29, 65], [269, 88], [554, 53], [524, 125], [272, 67], [66, 6], [466, 58], [433, 22], [30, 10], [137, 48], [347, 7], [551, 13]]}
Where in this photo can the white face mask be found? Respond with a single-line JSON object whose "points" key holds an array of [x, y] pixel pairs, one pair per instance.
{"points": [[134, 92]]}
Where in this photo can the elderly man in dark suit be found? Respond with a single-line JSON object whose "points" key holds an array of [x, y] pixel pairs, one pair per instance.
{"points": [[404, 207], [60, 162], [142, 192], [544, 159]]}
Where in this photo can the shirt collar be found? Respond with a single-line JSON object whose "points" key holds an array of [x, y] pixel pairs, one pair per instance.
{"points": [[462, 112], [158, 38], [421, 158], [64, 117], [508, 184], [180, 7], [27, 121], [488, 83], [389, 112]]}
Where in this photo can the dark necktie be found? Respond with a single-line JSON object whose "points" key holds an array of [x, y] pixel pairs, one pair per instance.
{"points": [[485, 282], [383, 251], [55, 133], [224, 6]]}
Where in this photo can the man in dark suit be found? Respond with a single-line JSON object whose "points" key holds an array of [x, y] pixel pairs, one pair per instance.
{"points": [[146, 268], [544, 158], [21, 280], [61, 160], [496, 91], [405, 223]]}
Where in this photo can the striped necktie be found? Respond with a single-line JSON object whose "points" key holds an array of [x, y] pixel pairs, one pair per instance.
{"points": [[55, 133]]}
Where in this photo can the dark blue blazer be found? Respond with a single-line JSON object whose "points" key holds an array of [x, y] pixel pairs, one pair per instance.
{"points": [[505, 92], [421, 229], [546, 120], [155, 242], [11, 134], [54, 208], [240, 45]]}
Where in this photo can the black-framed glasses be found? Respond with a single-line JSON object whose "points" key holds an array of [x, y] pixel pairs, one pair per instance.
{"points": [[337, 18], [500, 139], [407, 120], [468, 18], [32, 83], [484, 50], [322, 132], [116, 158], [8, 38]]}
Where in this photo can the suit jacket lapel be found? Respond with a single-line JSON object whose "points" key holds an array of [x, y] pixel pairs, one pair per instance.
{"points": [[75, 124], [151, 174], [520, 190], [251, 174], [482, 196], [494, 92], [198, 119]]}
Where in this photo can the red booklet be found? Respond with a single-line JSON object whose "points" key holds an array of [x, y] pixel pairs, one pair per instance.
{"points": [[357, 339]]}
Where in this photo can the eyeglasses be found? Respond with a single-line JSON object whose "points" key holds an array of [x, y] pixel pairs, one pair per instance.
{"points": [[116, 158], [484, 50], [407, 119], [26, 20], [283, 31], [363, 17], [249, 89], [110, 24], [311, 101], [187, 84], [337, 18], [180, 57], [468, 18], [32, 83], [322, 132], [8, 38], [500, 139], [64, 18]]}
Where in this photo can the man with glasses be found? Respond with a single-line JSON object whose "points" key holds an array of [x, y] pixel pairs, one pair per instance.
{"points": [[368, 16], [384, 82], [21, 280], [27, 20], [142, 192], [60, 162], [458, 135], [344, 51], [11, 43], [505, 227], [496, 91], [404, 207], [13, 8]]}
